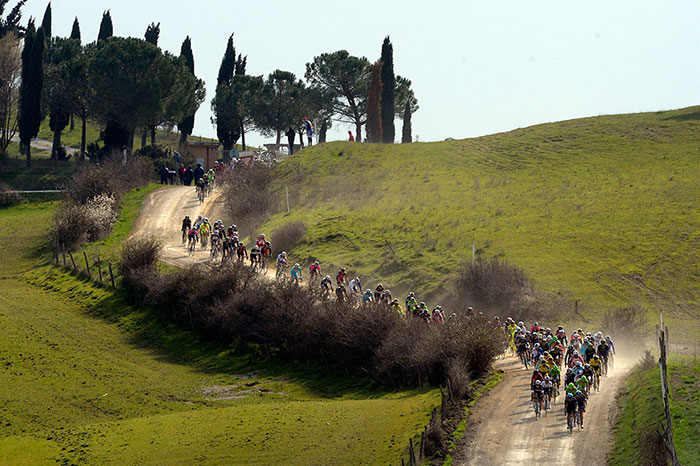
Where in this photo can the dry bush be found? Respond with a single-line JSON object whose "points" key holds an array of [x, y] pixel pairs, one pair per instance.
{"points": [[647, 361], [435, 436], [494, 285], [626, 322], [289, 234], [8, 196], [248, 195], [76, 224], [137, 266], [229, 304], [112, 177]]}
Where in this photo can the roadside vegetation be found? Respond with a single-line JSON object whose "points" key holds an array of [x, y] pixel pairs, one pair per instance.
{"points": [[639, 427], [93, 379], [600, 210]]}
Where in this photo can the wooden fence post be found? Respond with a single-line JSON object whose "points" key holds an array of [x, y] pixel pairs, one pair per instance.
{"points": [[411, 453], [72, 260], [87, 265], [64, 258], [111, 275], [664, 393]]}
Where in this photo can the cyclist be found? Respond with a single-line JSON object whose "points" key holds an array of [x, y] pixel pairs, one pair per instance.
{"points": [[386, 297], [192, 237], [581, 400], [378, 293], [367, 296], [571, 408], [611, 351], [590, 350], [583, 384], [215, 243], [537, 397], [356, 286], [341, 277], [548, 387], [241, 252], [575, 359], [438, 315], [603, 352], [522, 347], [561, 335], [225, 249], [266, 252], [255, 256], [326, 284], [295, 273], [186, 227], [260, 242], [315, 272], [341, 293], [411, 303], [396, 307], [281, 263], [555, 374], [536, 377], [588, 373], [571, 389], [204, 229], [595, 364]]}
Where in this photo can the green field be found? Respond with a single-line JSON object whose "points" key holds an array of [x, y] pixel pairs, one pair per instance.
{"points": [[89, 379], [602, 209], [642, 408]]}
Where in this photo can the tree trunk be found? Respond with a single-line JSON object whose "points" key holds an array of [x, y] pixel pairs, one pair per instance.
{"points": [[72, 122], [153, 135], [130, 141], [56, 146], [82, 137], [144, 135], [302, 133], [28, 150], [242, 136], [279, 137], [358, 131]]}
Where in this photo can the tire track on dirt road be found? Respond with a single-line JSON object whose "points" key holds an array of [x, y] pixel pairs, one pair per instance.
{"points": [[503, 429]]}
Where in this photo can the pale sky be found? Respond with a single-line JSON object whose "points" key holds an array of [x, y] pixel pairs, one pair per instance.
{"points": [[478, 67]]}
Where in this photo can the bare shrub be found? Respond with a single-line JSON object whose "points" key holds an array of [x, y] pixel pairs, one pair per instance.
{"points": [[494, 284], [8, 196], [647, 361], [76, 224], [112, 177], [435, 436], [136, 265], [289, 234], [248, 195], [626, 322]]}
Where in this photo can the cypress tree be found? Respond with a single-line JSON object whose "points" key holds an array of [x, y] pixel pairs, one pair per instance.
{"points": [[152, 33], [31, 87], [187, 124], [106, 28], [374, 105], [228, 63], [388, 85], [46, 22], [406, 135], [75, 32]]}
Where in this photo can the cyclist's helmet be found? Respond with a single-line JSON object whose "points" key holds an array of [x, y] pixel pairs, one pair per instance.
{"points": [[328, 277], [422, 304], [561, 327], [395, 301], [569, 371], [297, 265], [579, 363], [595, 356], [569, 395], [284, 253], [201, 179], [578, 392], [575, 352], [607, 337], [342, 269], [587, 366], [536, 324], [411, 294], [538, 382], [521, 324], [262, 235]]}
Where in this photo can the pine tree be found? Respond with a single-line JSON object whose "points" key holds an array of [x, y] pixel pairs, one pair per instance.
{"points": [[31, 87], [152, 33], [374, 105], [388, 85], [406, 136], [75, 32], [46, 22], [106, 28], [187, 124]]}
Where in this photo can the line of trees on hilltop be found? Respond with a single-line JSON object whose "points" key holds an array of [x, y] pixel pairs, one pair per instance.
{"points": [[126, 85], [337, 87]]}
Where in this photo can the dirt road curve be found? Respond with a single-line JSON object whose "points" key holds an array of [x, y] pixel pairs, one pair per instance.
{"points": [[504, 430], [162, 213]]}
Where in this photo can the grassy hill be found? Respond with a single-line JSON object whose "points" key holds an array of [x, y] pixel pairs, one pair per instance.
{"points": [[86, 378], [603, 209]]}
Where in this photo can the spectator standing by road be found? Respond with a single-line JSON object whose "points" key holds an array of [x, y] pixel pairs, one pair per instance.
{"points": [[189, 175], [198, 172], [181, 174], [351, 138], [309, 130], [290, 139], [164, 172]]}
